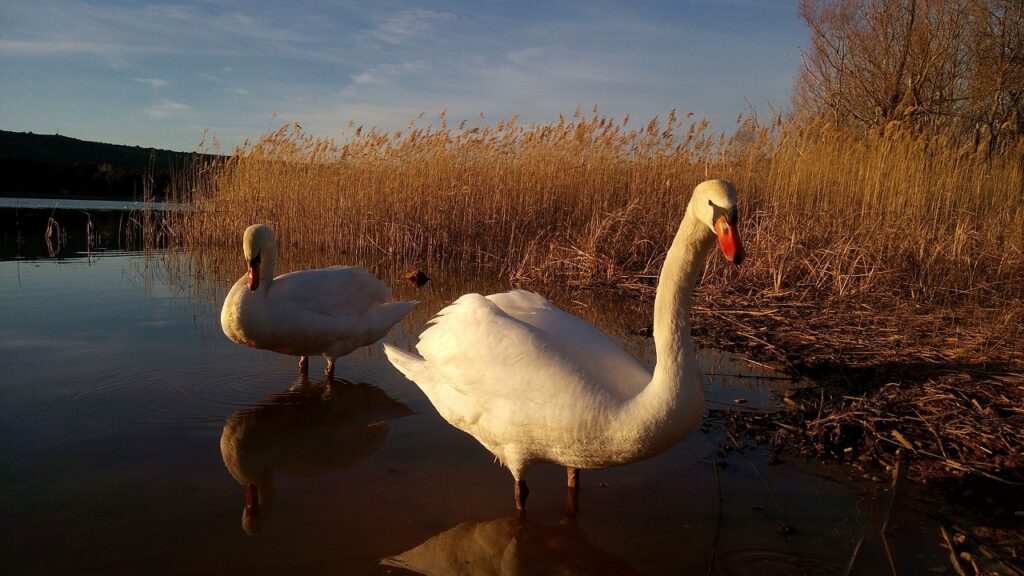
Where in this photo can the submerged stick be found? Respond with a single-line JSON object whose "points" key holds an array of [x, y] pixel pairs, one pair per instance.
{"points": [[718, 521], [952, 552], [853, 557], [893, 489]]}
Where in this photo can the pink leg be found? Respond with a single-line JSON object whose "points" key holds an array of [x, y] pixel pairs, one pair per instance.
{"points": [[572, 493], [521, 493]]}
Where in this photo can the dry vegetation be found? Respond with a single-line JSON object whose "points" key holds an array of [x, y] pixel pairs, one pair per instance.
{"points": [[874, 256], [828, 213]]}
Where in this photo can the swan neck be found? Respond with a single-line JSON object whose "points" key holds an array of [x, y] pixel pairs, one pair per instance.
{"points": [[683, 266], [268, 265], [672, 405]]}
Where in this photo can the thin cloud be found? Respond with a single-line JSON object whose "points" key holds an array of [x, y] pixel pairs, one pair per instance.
{"points": [[396, 27], [54, 47], [151, 82], [168, 109], [368, 78], [525, 56]]}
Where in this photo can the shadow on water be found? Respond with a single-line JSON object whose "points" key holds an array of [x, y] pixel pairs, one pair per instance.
{"points": [[310, 430]]}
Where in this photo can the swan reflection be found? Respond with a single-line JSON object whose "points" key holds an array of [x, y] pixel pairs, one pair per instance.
{"points": [[310, 430], [509, 546]]}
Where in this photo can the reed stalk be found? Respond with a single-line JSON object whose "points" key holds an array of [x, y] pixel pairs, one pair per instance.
{"points": [[591, 201]]}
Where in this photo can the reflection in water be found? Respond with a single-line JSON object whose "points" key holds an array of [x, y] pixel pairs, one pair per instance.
{"points": [[767, 562], [309, 430], [509, 546]]}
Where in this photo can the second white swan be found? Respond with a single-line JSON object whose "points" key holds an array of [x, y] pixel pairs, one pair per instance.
{"points": [[327, 311]]}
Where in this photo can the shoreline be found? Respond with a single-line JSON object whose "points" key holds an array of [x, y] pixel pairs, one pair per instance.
{"points": [[885, 378]]}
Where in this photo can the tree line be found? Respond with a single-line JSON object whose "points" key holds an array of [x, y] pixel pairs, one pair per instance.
{"points": [[955, 66]]}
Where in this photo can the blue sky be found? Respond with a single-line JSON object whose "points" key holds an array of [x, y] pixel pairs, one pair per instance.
{"points": [[160, 74]]}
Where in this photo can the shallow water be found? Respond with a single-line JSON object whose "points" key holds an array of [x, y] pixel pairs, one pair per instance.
{"points": [[118, 390]]}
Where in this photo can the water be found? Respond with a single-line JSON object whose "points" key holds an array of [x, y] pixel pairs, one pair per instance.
{"points": [[90, 205], [118, 387]]}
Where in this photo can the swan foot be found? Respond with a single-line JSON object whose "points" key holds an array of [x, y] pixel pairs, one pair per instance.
{"points": [[572, 492], [304, 365], [521, 492]]}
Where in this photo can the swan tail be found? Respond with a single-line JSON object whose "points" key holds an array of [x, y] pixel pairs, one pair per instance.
{"points": [[413, 366], [390, 313]]}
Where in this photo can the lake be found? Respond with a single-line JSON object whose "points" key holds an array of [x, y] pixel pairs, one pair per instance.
{"points": [[119, 389]]}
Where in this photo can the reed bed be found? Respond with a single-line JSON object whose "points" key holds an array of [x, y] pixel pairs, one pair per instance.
{"points": [[590, 201], [874, 258]]}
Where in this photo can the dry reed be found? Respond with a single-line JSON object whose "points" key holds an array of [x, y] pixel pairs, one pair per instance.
{"points": [[889, 256], [589, 201]]}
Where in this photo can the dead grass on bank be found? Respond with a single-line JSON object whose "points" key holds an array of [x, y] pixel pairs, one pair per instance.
{"points": [[879, 262], [944, 395], [591, 202]]}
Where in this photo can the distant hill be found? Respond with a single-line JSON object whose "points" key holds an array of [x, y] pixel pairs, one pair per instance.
{"points": [[58, 166]]}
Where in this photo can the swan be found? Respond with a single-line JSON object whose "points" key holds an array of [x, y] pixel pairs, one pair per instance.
{"points": [[327, 311], [307, 431], [535, 384]]}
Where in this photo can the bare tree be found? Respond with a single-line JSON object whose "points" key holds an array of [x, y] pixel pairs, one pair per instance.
{"points": [[929, 63], [996, 85]]}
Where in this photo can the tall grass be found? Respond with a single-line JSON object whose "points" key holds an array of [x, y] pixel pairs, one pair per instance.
{"points": [[591, 201]]}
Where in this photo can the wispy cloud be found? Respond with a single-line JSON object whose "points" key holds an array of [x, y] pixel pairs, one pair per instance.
{"points": [[397, 27], [525, 55], [55, 47], [168, 109], [322, 63], [151, 82], [369, 78]]}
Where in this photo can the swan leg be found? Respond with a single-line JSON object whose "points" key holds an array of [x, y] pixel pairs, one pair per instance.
{"points": [[572, 493], [521, 493], [304, 365]]}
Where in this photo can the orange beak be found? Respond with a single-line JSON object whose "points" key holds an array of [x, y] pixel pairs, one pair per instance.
{"points": [[254, 274], [252, 500], [729, 240]]}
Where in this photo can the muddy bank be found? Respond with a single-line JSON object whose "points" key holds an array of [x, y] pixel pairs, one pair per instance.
{"points": [[944, 387], [927, 401]]}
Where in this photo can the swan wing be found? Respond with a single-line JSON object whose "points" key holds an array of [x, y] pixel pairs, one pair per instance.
{"points": [[606, 362], [484, 353], [331, 291]]}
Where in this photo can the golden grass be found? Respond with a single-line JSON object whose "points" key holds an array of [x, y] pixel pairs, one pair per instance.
{"points": [[889, 256], [590, 201]]}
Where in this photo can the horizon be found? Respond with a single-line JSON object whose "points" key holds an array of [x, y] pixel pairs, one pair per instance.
{"points": [[166, 76]]}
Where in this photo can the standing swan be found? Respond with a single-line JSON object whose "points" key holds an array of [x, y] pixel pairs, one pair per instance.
{"points": [[327, 311], [535, 384]]}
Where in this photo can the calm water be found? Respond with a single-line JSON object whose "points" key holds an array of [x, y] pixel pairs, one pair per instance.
{"points": [[117, 387], [74, 204]]}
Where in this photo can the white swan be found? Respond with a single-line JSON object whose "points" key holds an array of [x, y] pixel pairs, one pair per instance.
{"points": [[327, 311], [535, 384]]}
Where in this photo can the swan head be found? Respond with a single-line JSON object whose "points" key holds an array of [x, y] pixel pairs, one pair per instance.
{"points": [[714, 203], [256, 242]]}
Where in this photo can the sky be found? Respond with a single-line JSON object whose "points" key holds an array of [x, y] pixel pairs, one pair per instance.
{"points": [[177, 74]]}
